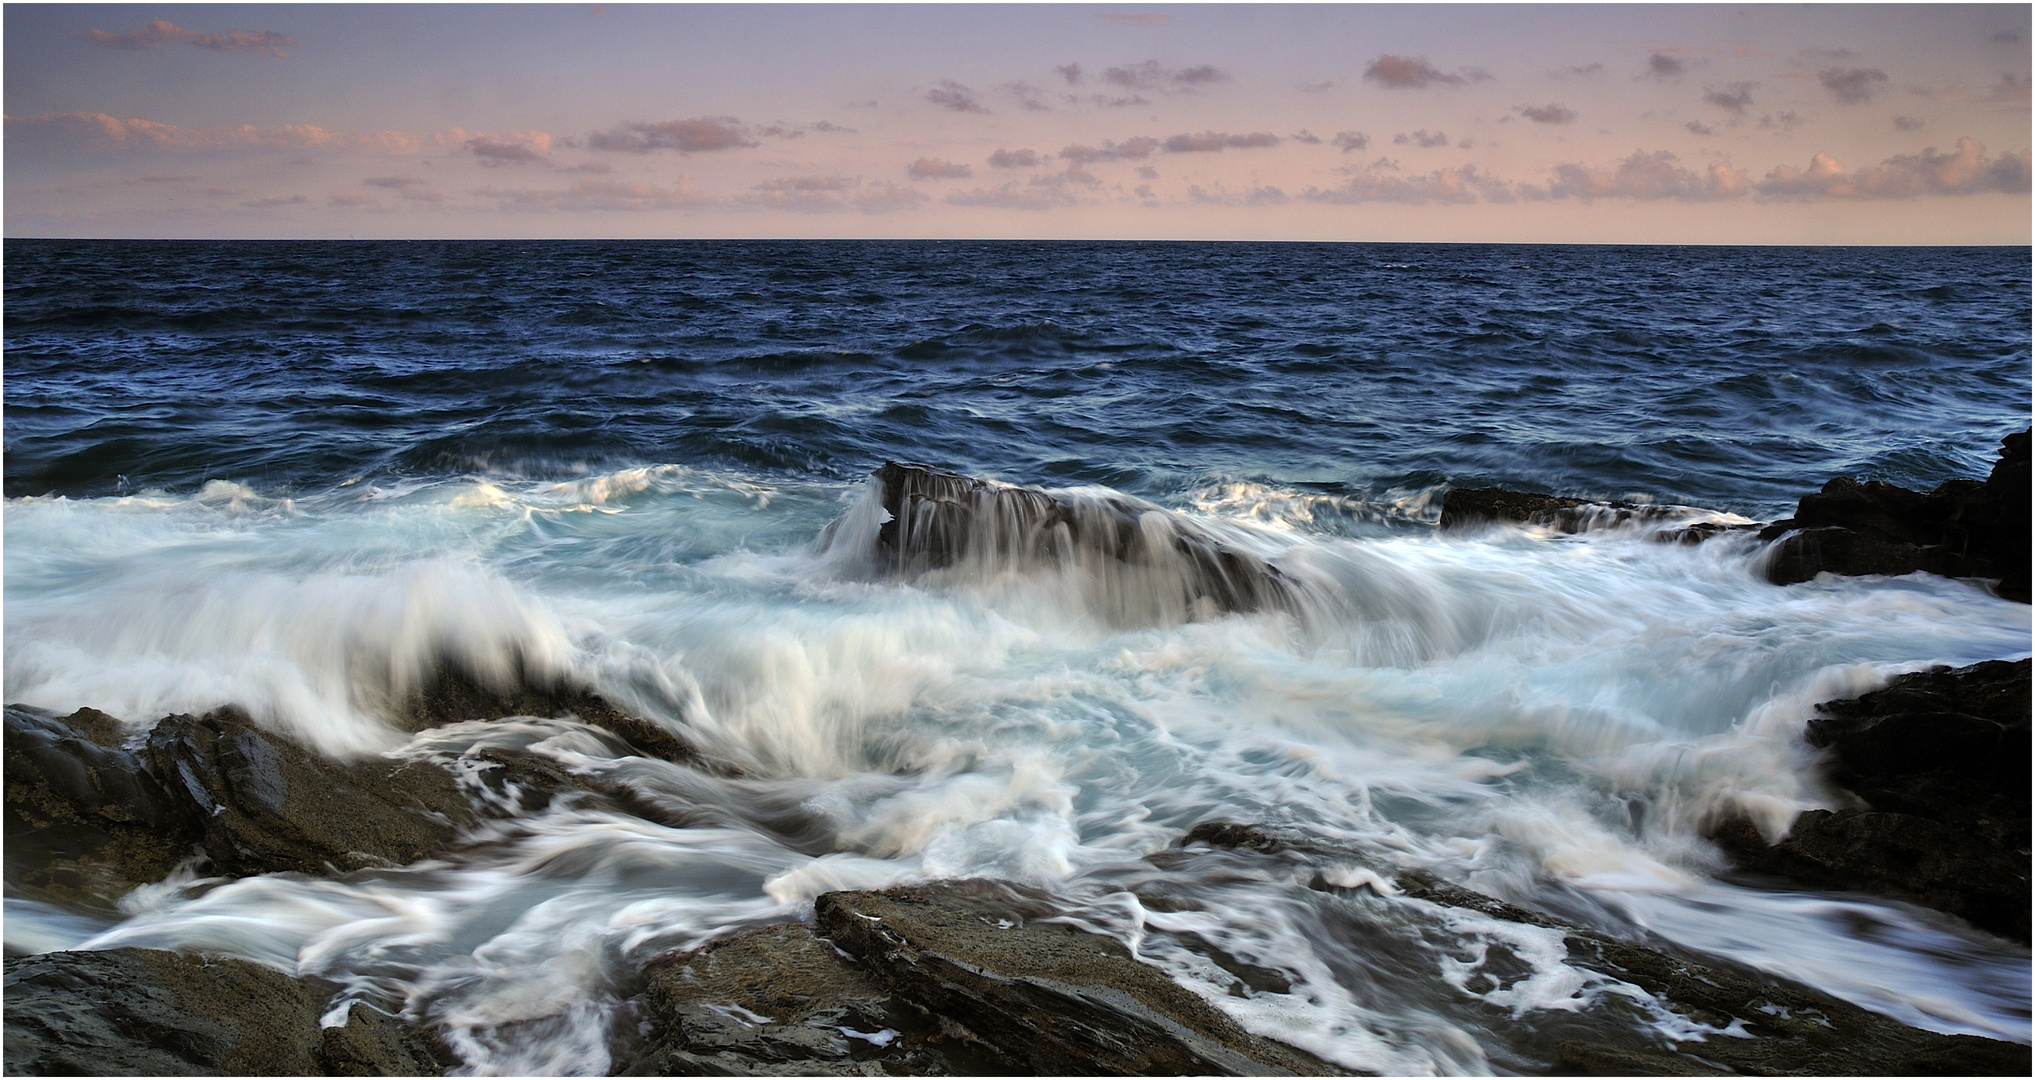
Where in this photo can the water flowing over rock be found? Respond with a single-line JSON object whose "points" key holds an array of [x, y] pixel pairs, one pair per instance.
{"points": [[1141, 563], [145, 1012], [1940, 760]]}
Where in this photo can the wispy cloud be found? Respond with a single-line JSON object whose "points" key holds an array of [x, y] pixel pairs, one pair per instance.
{"points": [[1734, 98], [1967, 170], [79, 129], [1151, 75], [594, 195], [1852, 86], [1550, 113], [275, 201], [937, 169], [1070, 72], [1218, 195], [952, 95], [1662, 67], [824, 194], [1414, 72], [1907, 123], [1137, 148], [1381, 182], [519, 148], [1213, 141], [159, 32], [1698, 127], [1014, 159], [699, 135], [1349, 141], [1010, 196], [1423, 138]]}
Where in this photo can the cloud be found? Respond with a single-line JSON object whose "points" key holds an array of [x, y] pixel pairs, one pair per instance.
{"points": [[1662, 67], [1012, 197], [1014, 159], [349, 200], [1907, 123], [1733, 98], [2010, 89], [1028, 97], [2007, 35], [833, 194], [1136, 148], [1351, 140], [160, 178], [603, 195], [519, 148], [1218, 195], [1589, 70], [1423, 137], [1149, 75], [1964, 171], [1852, 86], [1784, 122], [952, 95], [1317, 87], [1305, 136], [1379, 183], [274, 201], [1409, 72], [936, 169], [409, 187], [1547, 114], [1698, 127], [1070, 72], [159, 32], [699, 135], [1142, 18], [133, 133], [1648, 177], [1213, 141]]}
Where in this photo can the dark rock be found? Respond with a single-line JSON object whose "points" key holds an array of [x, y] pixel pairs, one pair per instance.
{"points": [[454, 693], [1940, 759], [779, 1000], [266, 804], [1049, 998], [143, 1012], [1463, 508], [1962, 528], [940, 519], [86, 821]]}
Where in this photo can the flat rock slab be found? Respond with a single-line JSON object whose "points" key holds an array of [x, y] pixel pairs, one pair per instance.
{"points": [[1052, 999], [145, 1012]]}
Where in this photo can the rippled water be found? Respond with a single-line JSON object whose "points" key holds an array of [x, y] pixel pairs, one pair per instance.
{"points": [[252, 472]]}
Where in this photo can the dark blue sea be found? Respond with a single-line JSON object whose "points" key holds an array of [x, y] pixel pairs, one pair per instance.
{"points": [[290, 475]]}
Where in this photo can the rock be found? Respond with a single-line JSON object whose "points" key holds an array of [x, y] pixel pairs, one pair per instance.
{"points": [[778, 1000], [1790, 1028], [265, 804], [1962, 528], [1940, 760], [1050, 999], [86, 821], [1463, 508], [1151, 564], [144, 1012], [454, 693]]}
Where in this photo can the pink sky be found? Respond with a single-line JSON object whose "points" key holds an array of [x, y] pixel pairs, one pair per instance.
{"points": [[1608, 123]]}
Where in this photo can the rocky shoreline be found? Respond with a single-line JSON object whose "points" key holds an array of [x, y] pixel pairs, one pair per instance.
{"points": [[976, 977]]}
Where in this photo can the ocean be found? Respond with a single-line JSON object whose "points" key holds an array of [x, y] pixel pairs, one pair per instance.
{"points": [[291, 475]]}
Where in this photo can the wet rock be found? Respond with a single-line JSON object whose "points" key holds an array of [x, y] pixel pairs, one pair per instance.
{"points": [[940, 519], [1463, 508], [144, 1012], [1049, 998], [779, 1000], [86, 821], [453, 693], [265, 804], [1962, 528], [1789, 1029], [1940, 760]]}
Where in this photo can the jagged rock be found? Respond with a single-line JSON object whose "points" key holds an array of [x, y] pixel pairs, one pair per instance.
{"points": [[779, 1000], [86, 820], [1147, 556], [453, 693], [144, 1012], [1962, 528], [266, 804], [1049, 998], [1940, 759], [1792, 1029]]}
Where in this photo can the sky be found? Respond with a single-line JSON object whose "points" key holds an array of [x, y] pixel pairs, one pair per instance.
{"points": [[1606, 123]]}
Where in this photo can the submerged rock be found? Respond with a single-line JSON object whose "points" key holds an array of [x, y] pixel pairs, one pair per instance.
{"points": [[1463, 508], [1962, 528], [454, 693], [945, 979], [145, 1012], [1787, 1029], [1147, 563], [1940, 760]]}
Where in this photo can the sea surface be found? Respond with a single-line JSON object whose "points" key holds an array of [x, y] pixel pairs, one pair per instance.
{"points": [[291, 475]]}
